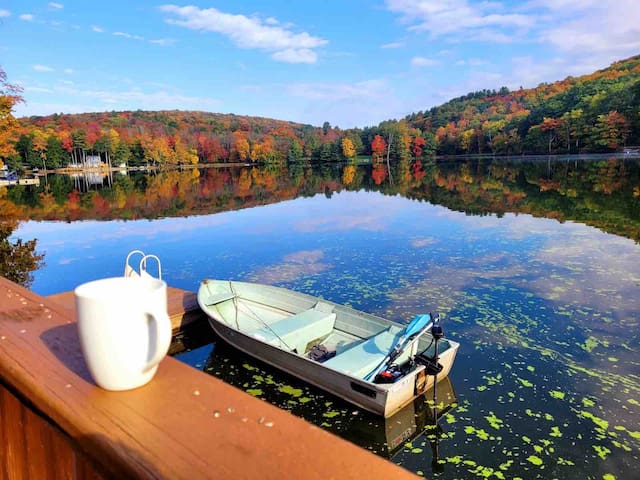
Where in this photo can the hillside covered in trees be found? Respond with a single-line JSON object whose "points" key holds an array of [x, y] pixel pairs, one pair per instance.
{"points": [[599, 112]]}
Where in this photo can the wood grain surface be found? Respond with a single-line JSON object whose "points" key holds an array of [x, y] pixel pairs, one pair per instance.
{"points": [[183, 424]]}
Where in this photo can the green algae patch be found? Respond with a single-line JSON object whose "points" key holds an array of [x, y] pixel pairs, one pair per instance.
{"points": [[557, 394], [506, 465], [602, 452], [494, 421], [525, 382], [589, 344], [608, 476], [600, 422], [256, 392], [487, 472], [331, 414], [294, 392], [535, 460], [555, 432], [588, 402], [480, 432]]}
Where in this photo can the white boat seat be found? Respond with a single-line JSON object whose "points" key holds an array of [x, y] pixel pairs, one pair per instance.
{"points": [[295, 332], [362, 358], [219, 298]]}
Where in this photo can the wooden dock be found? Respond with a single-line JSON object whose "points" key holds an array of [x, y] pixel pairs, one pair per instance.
{"points": [[56, 423]]}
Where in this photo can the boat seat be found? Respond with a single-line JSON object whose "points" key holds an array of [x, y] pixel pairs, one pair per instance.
{"points": [[295, 332], [219, 298], [362, 358]]}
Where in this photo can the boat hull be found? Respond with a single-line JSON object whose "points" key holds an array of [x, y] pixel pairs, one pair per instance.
{"points": [[381, 399]]}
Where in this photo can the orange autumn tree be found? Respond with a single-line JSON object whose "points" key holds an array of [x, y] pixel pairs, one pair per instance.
{"points": [[612, 130], [242, 145], [378, 147], [9, 128], [551, 125], [378, 174], [418, 144]]}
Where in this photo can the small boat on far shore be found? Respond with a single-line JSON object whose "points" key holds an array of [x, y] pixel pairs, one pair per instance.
{"points": [[374, 363]]}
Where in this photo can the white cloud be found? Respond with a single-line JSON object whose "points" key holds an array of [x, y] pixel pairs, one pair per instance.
{"points": [[37, 90], [80, 100], [249, 32], [137, 98], [393, 45], [55, 6], [27, 17], [423, 62], [295, 55], [599, 29], [42, 68], [463, 19], [97, 29], [128, 35], [163, 42], [473, 62], [4, 13], [68, 70], [338, 91]]}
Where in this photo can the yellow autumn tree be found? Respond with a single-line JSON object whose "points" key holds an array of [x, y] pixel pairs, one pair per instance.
{"points": [[349, 174], [348, 148], [9, 127], [242, 146]]}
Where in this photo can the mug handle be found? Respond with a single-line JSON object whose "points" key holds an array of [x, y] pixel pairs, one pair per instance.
{"points": [[163, 336]]}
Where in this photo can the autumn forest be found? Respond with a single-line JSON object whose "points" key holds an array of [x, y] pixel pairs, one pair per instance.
{"points": [[599, 112]]}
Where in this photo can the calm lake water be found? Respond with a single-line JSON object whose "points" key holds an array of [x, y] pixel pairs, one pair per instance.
{"points": [[533, 265]]}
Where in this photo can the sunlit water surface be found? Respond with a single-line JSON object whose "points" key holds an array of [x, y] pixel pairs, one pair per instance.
{"points": [[546, 380]]}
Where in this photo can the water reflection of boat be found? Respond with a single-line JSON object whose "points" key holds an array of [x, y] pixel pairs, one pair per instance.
{"points": [[386, 437], [374, 363]]}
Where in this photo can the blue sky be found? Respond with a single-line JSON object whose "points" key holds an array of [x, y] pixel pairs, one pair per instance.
{"points": [[349, 62]]}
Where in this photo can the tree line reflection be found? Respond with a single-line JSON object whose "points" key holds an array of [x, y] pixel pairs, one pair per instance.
{"points": [[603, 193]]}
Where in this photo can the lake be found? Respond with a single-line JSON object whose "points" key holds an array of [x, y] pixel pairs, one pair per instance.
{"points": [[533, 264]]}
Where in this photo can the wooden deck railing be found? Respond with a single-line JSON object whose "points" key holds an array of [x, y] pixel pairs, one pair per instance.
{"points": [[56, 424]]}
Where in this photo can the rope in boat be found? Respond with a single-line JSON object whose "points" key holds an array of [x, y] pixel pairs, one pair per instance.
{"points": [[247, 309], [235, 303]]}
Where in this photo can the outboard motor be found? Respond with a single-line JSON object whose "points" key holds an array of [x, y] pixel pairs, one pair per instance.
{"points": [[432, 367]]}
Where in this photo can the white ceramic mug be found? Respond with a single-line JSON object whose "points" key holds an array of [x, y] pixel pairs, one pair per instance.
{"points": [[124, 328]]}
